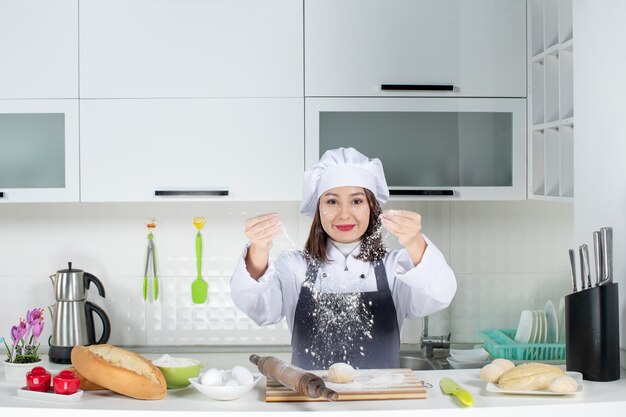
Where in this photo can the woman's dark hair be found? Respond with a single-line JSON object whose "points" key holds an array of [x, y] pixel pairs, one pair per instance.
{"points": [[372, 246]]}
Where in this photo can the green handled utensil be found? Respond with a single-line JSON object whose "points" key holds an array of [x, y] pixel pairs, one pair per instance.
{"points": [[151, 258], [199, 287], [450, 387]]}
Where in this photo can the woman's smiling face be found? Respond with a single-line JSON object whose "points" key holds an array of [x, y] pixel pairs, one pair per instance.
{"points": [[344, 213]]}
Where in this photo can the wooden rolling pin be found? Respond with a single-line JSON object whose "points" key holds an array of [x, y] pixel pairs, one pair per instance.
{"points": [[293, 377]]}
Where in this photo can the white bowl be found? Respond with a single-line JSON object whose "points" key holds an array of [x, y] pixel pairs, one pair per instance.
{"points": [[224, 392], [469, 355]]}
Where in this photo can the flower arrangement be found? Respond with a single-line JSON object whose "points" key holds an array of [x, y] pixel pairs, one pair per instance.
{"points": [[25, 335]]}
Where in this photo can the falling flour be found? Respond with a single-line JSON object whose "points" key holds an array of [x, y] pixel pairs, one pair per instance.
{"points": [[343, 319]]}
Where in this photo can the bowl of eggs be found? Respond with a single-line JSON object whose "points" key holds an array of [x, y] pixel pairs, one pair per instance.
{"points": [[225, 385]]}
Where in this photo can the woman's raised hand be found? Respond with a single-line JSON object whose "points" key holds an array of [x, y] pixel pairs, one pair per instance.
{"points": [[261, 231], [407, 227]]}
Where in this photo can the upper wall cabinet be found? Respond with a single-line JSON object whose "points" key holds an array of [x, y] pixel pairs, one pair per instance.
{"points": [[39, 150], [190, 48], [38, 49], [182, 149], [415, 47]]}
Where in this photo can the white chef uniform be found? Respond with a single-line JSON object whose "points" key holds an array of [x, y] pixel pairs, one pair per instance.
{"points": [[417, 291]]}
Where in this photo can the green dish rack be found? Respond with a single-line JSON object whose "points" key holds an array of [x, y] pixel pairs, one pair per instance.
{"points": [[502, 344]]}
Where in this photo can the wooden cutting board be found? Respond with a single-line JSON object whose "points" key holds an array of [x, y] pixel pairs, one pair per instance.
{"points": [[369, 384]]}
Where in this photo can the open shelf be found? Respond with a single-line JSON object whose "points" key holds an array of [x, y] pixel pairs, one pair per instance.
{"points": [[551, 100]]}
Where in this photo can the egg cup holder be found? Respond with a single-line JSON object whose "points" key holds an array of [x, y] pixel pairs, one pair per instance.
{"points": [[592, 332]]}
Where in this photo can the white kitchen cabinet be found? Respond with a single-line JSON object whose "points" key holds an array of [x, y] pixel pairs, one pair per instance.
{"points": [[431, 148], [189, 149], [550, 100], [354, 47], [39, 150], [190, 48], [38, 49]]}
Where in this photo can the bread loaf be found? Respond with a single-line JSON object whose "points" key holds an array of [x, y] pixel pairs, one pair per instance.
{"points": [[529, 377], [120, 370]]}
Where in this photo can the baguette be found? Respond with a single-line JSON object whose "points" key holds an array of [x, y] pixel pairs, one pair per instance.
{"points": [[530, 377], [120, 370]]}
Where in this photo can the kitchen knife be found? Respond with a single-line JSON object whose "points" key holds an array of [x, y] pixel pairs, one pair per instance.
{"points": [[597, 257], [606, 237], [450, 387], [584, 262], [583, 284], [572, 263]]}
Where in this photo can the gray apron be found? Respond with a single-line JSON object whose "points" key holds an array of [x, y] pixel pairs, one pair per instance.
{"points": [[356, 328]]}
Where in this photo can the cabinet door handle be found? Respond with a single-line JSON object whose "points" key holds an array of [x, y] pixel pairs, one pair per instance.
{"points": [[417, 87], [445, 193], [191, 193], [1, 194]]}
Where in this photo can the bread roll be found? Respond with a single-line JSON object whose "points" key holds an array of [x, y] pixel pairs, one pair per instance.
{"points": [[492, 372], [530, 376], [504, 364], [120, 370], [341, 373], [563, 384], [85, 384]]}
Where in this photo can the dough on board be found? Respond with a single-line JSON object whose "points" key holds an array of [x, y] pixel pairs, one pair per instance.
{"points": [[341, 373]]}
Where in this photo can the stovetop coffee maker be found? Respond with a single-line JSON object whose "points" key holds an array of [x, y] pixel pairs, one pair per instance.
{"points": [[72, 315]]}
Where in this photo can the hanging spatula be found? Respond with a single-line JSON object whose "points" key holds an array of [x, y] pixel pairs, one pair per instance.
{"points": [[199, 287]]}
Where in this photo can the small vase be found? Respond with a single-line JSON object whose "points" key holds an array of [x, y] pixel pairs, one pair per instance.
{"points": [[15, 373]]}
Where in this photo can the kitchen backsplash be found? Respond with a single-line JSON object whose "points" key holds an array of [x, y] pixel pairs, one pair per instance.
{"points": [[507, 256]]}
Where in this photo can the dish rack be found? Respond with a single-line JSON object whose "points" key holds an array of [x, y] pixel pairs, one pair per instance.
{"points": [[502, 344]]}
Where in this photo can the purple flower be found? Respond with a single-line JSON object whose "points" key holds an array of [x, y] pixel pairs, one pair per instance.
{"points": [[18, 332], [37, 329], [34, 316]]}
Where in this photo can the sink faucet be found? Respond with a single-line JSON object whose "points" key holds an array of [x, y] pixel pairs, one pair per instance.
{"points": [[428, 343]]}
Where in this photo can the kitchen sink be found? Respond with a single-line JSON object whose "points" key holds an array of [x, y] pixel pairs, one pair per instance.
{"points": [[419, 363]]}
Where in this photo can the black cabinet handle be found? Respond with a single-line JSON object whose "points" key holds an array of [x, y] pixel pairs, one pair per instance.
{"points": [[1, 194], [417, 87], [191, 193], [445, 193]]}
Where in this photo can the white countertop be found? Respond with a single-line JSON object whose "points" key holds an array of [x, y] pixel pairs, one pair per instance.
{"points": [[595, 399]]}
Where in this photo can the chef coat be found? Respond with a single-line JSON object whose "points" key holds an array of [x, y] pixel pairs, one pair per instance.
{"points": [[417, 291]]}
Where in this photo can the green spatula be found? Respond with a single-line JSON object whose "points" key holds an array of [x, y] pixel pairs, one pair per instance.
{"points": [[199, 287], [450, 387]]}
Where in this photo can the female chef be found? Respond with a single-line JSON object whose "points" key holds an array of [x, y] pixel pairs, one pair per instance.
{"points": [[345, 296]]}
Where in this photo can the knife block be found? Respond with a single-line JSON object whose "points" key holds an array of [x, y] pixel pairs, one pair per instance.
{"points": [[592, 333]]}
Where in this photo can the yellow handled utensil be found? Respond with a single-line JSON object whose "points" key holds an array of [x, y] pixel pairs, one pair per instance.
{"points": [[450, 387], [199, 287]]}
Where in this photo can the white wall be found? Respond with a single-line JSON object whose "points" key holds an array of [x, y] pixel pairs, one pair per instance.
{"points": [[508, 256], [600, 143]]}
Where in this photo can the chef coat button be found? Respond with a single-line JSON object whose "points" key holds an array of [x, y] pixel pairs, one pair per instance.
{"points": [[362, 276], [324, 275]]}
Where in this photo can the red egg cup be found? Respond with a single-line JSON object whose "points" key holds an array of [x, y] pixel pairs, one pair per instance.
{"points": [[65, 383], [38, 379]]}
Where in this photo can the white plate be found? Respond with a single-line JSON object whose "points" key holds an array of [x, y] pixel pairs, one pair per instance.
{"points": [[49, 395], [525, 327], [562, 320], [553, 323], [467, 365], [576, 375], [469, 355]]}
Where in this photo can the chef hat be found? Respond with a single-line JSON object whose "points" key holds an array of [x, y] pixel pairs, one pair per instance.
{"points": [[339, 168]]}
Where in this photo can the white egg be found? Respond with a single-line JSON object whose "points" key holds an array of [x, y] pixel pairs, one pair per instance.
{"points": [[212, 376], [231, 383], [242, 375]]}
